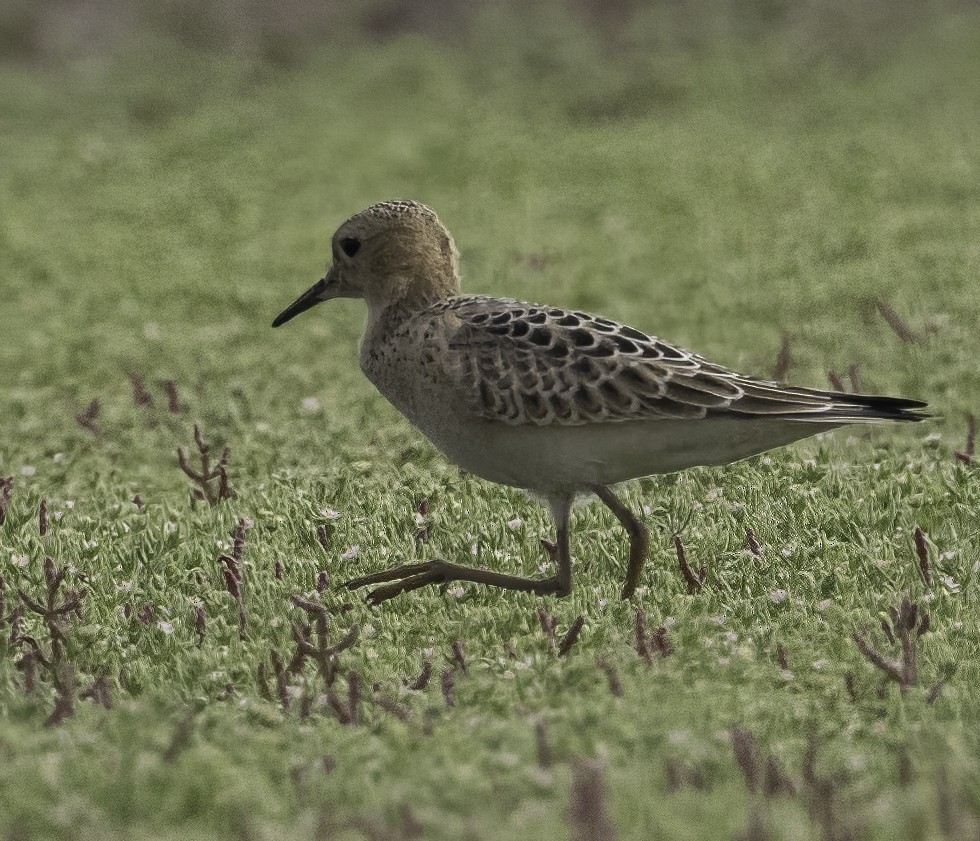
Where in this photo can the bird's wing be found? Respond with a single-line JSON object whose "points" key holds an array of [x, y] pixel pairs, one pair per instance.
{"points": [[520, 363]]}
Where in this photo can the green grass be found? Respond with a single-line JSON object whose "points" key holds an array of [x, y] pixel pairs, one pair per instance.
{"points": [[161, 205]]}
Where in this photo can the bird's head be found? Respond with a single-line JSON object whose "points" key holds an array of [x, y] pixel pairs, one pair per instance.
{"points": [[392, 253]]}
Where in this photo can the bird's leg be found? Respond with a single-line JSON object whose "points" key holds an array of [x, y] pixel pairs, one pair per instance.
{"points": [[639, 537], [408, 577]]}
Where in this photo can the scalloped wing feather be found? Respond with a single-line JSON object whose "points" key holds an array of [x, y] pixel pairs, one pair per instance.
{"points": [[521, 363]]}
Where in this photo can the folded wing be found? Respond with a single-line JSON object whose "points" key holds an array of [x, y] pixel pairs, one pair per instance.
{"points": [[521, 363]]}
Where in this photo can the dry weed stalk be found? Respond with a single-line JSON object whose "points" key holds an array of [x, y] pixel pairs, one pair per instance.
{"points": [[232, 572], [140, 395], [646, 643], [323, 654], [784, 361], [899, 327], [906, 624], [763, 773], [88, 419], [693, 580], [448, 685], [548, 625], [422, 533], [459, 658], [922, 551], [55, 618], [6, 487], [422, 680], [589, 810], [173, 398], [212, 481], [967, 453], [546, 756], [571, 635], [612, 677]]}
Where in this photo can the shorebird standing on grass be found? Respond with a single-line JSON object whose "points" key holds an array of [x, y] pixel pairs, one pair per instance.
{"points": [[558, 402]]}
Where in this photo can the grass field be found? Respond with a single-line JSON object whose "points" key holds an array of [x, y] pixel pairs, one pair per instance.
{"points": [[161, 203]]}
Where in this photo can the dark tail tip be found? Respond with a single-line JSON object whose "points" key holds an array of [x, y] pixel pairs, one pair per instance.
{"points": [[886, 408]]}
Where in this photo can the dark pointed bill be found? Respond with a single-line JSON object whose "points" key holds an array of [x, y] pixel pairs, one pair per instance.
{"points": [[311, 297]]}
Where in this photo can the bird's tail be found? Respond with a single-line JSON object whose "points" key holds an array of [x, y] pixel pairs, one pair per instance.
{"points": [[865, 408]]}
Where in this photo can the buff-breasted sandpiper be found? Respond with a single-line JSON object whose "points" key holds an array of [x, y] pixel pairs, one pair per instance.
{"points": [[556, 401]]}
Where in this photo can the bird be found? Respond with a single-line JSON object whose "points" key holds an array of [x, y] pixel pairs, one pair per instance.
{"points": [[559, 402]]}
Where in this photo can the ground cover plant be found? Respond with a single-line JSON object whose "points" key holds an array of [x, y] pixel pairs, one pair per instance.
{"points": [[182, 489]]}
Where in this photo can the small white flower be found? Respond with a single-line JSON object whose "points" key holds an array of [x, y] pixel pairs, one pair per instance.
{"points": [[718, 620], [730, 636], [419, 519], [474, 549], [169, 527], [516, 523], [166, 627], [948, 555], [57, 458], [329, 513], [124, 586], [311, 404], [778, 596], [19, 560], [367, 630], [818, 664], [647, 510], [933, 436], [353, 552], [951, 583], [456, 590], [69, 503], [27, 470]]}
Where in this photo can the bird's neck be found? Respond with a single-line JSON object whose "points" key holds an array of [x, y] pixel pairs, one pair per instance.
{"points": [[405, 296]]}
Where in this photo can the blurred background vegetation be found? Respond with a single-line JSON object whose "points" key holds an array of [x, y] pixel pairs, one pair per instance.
{"points": [[853, 33]]}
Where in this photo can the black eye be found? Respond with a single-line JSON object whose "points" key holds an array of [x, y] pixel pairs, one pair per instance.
{"points": [[350, 245]]}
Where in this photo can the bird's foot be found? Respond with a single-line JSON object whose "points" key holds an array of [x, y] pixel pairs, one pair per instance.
{"points": [[408, 577]]}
